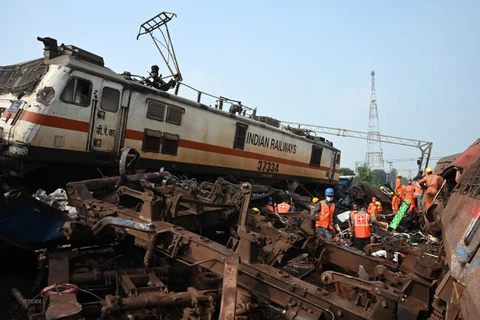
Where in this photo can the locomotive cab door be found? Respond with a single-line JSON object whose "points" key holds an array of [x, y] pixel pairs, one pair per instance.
{"points": [[105, 125], [333, 166]]}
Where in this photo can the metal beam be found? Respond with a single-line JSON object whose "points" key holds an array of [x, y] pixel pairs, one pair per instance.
{"points": [[409, 159], [424, 146]]}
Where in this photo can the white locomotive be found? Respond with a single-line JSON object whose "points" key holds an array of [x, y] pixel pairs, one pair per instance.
{"points": [[69, 108]]}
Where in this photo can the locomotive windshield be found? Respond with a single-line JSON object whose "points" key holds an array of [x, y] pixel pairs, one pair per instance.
{"points": [[22, 77]]}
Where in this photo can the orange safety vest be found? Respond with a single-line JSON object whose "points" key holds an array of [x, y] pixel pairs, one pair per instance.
{"points": [[325, 215], [432, 181], [398, 186], [283, 207], [361, 223], [373, 209], [409, 191], [418, 189], [270, 207]]}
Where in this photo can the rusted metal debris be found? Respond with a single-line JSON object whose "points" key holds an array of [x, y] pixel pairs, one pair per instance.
{"points": [[152, 246]]}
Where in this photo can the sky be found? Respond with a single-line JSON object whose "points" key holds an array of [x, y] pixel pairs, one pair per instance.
{"points": [[304, 61]]}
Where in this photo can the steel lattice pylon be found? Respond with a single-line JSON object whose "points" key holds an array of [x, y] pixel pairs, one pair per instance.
{"points": [[374, 154]]}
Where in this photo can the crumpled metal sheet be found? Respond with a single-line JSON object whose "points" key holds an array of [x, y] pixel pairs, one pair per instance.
{"points": [[364, 192]]}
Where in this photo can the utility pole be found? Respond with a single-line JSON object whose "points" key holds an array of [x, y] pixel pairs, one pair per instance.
{"points": [[410, 174], [390, 178], [374, 154]]}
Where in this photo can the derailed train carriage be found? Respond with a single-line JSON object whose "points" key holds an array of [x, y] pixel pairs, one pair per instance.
{"points": [[68, 108]]}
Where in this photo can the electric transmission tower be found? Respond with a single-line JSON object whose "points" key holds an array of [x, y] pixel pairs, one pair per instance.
{"points": [[374, 154]]}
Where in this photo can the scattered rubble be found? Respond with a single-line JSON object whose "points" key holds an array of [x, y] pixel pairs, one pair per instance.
{"points": [[58, 200], [153, 246]]}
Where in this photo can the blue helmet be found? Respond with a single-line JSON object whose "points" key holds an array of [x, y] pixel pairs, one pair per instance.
{"points": [[269, 199], [329, 192]]}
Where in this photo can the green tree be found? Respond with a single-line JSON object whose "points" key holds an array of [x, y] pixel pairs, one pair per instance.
{"points": [[379, 177], [346, 172], [364, 174]]}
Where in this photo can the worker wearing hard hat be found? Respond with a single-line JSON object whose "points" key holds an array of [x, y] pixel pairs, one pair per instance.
{"points": [[360, 226], [256, 210], [270, 205], [399, 185], [378, 204], [379, 207], [433, 183], [409, 193], [314, 204], [384, 191], [324, 211], [396, 201]]}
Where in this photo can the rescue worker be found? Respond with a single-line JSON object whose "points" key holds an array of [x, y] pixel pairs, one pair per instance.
{"points": [[270, 206], [409, 193], [396, 201], [420, 175], [324, 211], [255, 210], [374, 228], [314, 204], [399, 185], [418, 195], [284, 207], [360, 226], [384, 191], [352, 212], [379, 207], [433, 183], [372, 208], [157, 81]]}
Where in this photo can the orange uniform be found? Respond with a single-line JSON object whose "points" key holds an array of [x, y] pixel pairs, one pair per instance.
{"points": [[361, 222], [409, 193], [373, 209], [270, 207], [325, 215], [396, 203], [433, 183], [398, 186], [283, 207], [418, 189]]}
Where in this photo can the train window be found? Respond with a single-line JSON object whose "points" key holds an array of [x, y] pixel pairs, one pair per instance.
{"points": [[316, 157], [110, 99], [156, 110], [240, 135], [338, 158], [174, 115], [77, 91], [170, 143], [152, 140]]}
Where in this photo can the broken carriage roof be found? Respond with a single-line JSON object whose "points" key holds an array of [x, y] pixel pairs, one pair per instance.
{"points": [[459, 160]]}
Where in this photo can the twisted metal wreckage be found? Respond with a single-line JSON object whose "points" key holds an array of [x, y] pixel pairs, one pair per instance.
{"points": [[136, 251]]}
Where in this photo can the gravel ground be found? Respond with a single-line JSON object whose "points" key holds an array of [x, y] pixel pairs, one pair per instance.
{"points": [[10, 309]]}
